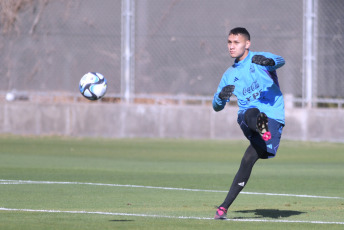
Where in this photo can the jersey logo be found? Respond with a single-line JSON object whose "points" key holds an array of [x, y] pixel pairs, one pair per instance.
{"points": [[254, 86], [236, 79], [252, 69], [269, 146], [252, 91]]}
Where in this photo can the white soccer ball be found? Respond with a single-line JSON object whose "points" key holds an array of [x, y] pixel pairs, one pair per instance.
{"points": [[10, 96], [93, 86]]}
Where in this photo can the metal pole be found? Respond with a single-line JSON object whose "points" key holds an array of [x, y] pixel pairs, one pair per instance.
{"points": [[127, 49], [315, 51], [308, 49]]}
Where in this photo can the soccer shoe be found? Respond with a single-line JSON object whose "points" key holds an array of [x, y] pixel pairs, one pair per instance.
{"points": [[262, 126], [221, 213], [266, 136]]}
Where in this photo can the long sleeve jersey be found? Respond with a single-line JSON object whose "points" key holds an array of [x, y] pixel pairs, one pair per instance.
{"points": [[256, 86]]}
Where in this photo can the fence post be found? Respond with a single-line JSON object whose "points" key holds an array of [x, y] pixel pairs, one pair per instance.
{"points": [[309, 48], [127, 49]]}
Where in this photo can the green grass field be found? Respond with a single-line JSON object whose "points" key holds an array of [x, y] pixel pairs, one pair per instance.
{"points": [[72, 183]]}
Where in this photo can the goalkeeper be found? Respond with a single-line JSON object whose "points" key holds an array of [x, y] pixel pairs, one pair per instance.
{"points": [[253, 80]]}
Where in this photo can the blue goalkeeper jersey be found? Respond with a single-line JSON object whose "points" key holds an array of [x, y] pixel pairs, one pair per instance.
{"points": [[256, 86]]}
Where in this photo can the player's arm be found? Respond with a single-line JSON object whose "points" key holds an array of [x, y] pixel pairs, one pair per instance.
{"points": [[269, 60], [218, 104], [222, 96]]}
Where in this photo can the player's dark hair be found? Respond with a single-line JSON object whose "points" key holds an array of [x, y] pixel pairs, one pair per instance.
{"points": [[240, 30]]}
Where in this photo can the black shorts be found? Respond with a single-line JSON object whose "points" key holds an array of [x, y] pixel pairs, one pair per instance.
{"points": [[265, 149]]}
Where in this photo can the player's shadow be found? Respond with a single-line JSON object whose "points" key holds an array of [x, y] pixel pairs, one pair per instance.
{"points": [[270, 213]]}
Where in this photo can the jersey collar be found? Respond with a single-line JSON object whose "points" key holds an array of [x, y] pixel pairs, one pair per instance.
{"points": [[242, 62]]}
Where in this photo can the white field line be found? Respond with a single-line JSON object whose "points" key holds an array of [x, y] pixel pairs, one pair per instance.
{"points": [[169, 217], [13, 182]]}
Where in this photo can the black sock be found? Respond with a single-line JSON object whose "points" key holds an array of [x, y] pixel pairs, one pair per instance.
{"points": [[249, 159]]}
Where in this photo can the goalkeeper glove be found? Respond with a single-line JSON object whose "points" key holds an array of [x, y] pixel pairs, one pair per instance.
{"points": [[226, 92], [261, 60]]}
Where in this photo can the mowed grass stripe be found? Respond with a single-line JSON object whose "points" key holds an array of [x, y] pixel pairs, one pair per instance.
{"points": [[165, 178]]}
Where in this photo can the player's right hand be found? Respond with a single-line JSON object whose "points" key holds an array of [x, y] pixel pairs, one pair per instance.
{"points": [[226, 92]]}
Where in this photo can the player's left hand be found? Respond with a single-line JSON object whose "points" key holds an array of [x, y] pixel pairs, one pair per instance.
{"points": [[261, 60]]}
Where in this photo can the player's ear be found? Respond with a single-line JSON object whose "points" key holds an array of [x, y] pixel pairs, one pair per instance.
{"points": [[248, 44]]}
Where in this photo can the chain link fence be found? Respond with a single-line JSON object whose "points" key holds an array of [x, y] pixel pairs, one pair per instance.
{"points": [[167, 48], [50, 45], [330, 17], [181, 46]]}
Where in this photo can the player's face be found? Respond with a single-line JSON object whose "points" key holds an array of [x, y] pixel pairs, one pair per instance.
{"points": [[238, 46]]}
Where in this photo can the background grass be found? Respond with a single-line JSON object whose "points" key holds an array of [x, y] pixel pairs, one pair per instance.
{"points": [[299, 168]]}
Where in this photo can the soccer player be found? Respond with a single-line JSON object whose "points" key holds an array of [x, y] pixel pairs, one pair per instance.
{"points": [[253, 80]]}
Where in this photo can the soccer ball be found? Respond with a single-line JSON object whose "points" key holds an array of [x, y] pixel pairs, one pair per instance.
{"points": [[93, 86]]}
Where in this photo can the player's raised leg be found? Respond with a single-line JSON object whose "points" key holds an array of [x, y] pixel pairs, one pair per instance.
{"points": [[258, 121]]}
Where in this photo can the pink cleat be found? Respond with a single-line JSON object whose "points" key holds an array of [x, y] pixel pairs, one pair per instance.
{"points": [[262, 126], [221, 213], [266, 136]]}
